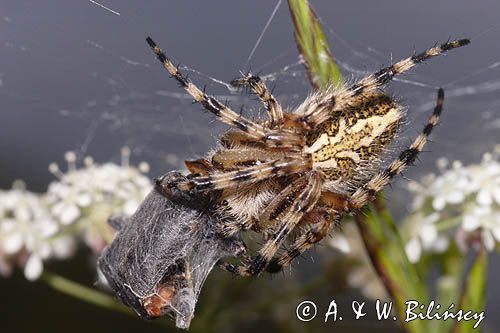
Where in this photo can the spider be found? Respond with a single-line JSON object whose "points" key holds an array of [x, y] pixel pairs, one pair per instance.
{"points": [[302, 171]]}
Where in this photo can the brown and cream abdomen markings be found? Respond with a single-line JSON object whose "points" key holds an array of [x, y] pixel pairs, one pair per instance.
{"points": [[354, 136]]}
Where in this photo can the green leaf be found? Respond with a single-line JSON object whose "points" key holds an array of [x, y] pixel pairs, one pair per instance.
{"points": [[313, 46], [473, 294], [387, 254]]}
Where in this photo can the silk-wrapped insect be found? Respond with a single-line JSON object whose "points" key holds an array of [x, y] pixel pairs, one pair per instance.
{"points": [[163, 253]]}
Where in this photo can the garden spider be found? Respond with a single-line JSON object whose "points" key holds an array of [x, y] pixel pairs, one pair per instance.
{"points": [[309, 167]]}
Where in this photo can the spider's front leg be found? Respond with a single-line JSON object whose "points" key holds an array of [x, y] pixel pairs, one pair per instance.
{"points": [[272, 138], [259, 88], [276, 168]]}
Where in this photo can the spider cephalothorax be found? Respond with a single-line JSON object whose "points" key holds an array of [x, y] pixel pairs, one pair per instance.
{"points": [[309, 167]]}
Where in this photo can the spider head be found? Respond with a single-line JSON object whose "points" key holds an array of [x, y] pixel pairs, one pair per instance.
{"points": [[177, 188]]}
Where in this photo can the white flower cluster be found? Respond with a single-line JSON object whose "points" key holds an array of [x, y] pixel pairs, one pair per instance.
{"points": [[37, 227], [462, 202], [25, 226]]}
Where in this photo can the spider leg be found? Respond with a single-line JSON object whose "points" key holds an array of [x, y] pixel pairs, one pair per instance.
{"points": [[276, 168], [302, 205], [338, 100], [210, 103], [273, 213], [223, 112], [322, 221], [229, 159], [383, 76], [273, 108], [368, 192]]}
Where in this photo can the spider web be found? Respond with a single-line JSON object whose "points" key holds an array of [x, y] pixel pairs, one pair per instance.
{"points": [[67, 84], [91, 91], [89, 83]]}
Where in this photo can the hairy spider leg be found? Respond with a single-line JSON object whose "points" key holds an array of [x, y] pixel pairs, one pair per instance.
{"points": [[375, 81], [223, 112], [259, 88], [323, 221], [251, 174]]}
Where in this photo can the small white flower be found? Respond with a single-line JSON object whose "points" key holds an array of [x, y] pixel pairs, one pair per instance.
{"points": [[413, 249], [84, 199], [12, 241], [451, 188], [424, 236], [485, 218], [63, 247], [472, 218], [486, 178], [66, 211], [130, 206], [441, 244], [33, 268], [428, 233], [340, 242]]}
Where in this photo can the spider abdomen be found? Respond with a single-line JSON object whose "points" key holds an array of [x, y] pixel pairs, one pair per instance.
{"points": [[354, 137]]}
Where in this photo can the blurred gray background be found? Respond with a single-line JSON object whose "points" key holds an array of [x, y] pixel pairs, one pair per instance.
{"points": [[74, 76]]}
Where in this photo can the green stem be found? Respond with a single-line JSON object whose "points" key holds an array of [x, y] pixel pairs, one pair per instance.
{"points": [[86, 294]]}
